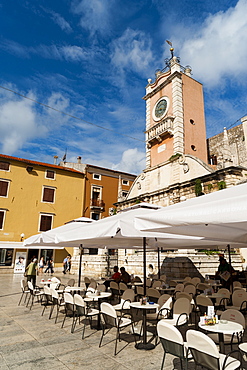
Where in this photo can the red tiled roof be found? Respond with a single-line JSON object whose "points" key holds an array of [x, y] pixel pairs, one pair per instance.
{"points": [[28, 161]]}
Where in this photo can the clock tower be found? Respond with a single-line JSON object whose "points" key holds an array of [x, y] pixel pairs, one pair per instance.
{"points": [[176, 148], [175, 122]]}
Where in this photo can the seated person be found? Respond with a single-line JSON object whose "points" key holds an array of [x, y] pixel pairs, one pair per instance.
{"points": [[125, 277], [115, 277]]}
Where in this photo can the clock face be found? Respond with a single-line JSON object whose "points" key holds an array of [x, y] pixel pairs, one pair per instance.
{"points": [[160, 108]]}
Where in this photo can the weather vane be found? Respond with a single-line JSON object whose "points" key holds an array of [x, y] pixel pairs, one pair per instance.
{"points": [[171, 48]]}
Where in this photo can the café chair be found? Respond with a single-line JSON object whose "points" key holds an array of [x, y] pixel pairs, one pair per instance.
{"points": [[101, 287], [172, 342], [239, 301], [81, 310], [110, 320], [153, 294], [57, 302], [148, 283], [122, 287], [187, 279], [127, 297], [68, 307], [114, 287], [191, 289], [34, 293], [195, 281], [47, 298], [25, 291], [156, 284], [163, 278], [206, 354], [179, 314], [87, 281]]}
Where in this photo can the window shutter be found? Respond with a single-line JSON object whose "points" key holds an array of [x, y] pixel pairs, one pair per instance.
{"points": [[3, 188], [48, 195], [1, 219], [45, 223], [4, 166]]}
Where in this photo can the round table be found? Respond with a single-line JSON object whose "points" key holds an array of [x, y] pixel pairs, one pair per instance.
{"points": [[96, 298], [229, 327], [74, 289], [243, 348], [144, 308]]}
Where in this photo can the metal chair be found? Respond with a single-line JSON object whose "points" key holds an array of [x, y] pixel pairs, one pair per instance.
{"points": [[25, 291], [48, 298], [56, 302], [206, 354], [153, 294], [111, 320], [68, 307], [172, 342], [82, 311], [34, 292]]}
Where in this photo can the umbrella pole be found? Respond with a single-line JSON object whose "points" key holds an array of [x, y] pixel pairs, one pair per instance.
{"points": [[79, 275], [144, 345], [230, 264], [158, 263]]}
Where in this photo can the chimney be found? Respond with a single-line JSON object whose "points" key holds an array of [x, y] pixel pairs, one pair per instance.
{"points": [[78, 159], [55, 159]]}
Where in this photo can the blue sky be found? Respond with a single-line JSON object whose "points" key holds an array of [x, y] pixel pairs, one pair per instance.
{"points": [[92, 58]]}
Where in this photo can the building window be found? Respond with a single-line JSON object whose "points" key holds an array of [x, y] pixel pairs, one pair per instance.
{"points": [[124, 194], [4, 186], [2, 217], [4, 166], [213, 160], [48, 195], [96, 176], [192, 121], [45, 222], [193, 148], [125, 182], [6, 256], [95, 216], [49, 174]]}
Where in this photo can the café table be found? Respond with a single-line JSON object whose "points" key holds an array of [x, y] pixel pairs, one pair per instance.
{"points": [[223, 327], [243, 348], [74, 289], [144, 307], [94, 297]]}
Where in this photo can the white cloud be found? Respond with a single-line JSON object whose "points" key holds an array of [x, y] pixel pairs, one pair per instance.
{"points": [[132, 161], [71, 53], [95, 15], [132, 51], [18, 123], [61, 22], [219, 48]]}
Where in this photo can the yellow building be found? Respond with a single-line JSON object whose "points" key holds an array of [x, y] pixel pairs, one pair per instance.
{"points": [[35, 197]]}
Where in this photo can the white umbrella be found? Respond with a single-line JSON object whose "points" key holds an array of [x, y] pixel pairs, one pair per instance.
{"points": [[46, 239], [220, 216]]}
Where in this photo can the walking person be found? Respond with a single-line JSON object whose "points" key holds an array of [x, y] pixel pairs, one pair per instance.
{"points": [[49, 266], [31, 271], [69, 263], [65, 264], [41, 265]]}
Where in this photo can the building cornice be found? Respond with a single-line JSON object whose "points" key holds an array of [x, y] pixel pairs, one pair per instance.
{"points": [[163, 84]]}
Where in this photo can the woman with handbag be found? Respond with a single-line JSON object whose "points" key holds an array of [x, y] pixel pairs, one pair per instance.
{"points": [[31, 271]]}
